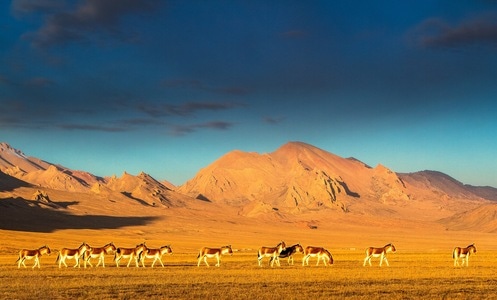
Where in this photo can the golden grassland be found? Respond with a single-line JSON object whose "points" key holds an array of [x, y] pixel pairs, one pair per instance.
{"points": [[427, 275]]}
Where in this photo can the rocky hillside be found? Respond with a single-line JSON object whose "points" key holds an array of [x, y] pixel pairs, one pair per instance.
{"points": [[295, 178]]}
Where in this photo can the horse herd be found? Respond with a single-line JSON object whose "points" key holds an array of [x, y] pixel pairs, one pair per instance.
{"points": [[140, 252]]}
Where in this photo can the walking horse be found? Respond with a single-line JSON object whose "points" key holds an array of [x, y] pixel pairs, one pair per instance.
{"points": [[207, 252], [320, 253], [156, 254], [290, 251], [100, 253], [75, 254], [30, 254], [379, 252], [131, 253], [272, 252]]}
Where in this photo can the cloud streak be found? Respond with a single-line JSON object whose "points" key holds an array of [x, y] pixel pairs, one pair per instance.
{"points": [[90, 17], [199, 85], [185, 109], [437, 33], [181, 130]]}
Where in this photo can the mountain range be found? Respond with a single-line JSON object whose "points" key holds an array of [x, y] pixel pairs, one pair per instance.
{"points": [[297, 181]]}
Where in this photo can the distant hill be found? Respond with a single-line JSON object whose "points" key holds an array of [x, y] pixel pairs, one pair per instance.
{"points": [[299, 177], [298, 181], [29, 170]]}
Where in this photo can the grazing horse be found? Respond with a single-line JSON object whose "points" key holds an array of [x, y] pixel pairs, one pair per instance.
{"points": [[320, 253], [30, 254], [100, 253], [131, 253], [72, 253], [156, 254], [379, 252], [463, 254], [206, 252], [290, 251], [272, 252]]}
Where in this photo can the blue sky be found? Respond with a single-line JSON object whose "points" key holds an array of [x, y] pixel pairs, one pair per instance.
{"points": [[167, 87]]}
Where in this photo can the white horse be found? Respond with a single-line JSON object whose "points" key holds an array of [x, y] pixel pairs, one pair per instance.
{"points": [[463, 254], [30, 254], [99, 253], [131, 253], [207, 252], [75, 254], [379, 252], [272, 252], [156, 254], [320, 253]]}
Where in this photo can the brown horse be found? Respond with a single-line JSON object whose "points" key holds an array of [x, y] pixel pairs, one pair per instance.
{"points": [[320, 253], [30, 254], [272, 252], [99, 253], [207, 252], [463, 254], [156, 254], [131, 253], [379, 252], [75, 254]]}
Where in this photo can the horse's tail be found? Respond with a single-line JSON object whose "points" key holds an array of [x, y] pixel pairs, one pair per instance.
{"points": [[454, 252], [58, 257]]}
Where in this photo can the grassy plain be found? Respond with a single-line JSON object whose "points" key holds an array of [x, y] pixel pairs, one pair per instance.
{"points": [[411, 275]]}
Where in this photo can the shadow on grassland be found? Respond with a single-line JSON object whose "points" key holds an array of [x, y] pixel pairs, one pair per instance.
{"points": [[19, 214]]}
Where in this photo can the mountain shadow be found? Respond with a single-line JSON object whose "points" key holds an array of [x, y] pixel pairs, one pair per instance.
{"points": [[19, 214], [9, 183]]}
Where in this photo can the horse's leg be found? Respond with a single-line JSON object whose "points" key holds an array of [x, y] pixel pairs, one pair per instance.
{"points": [[365, 261], [199, 260], [205, 260], [77, 262], [160, 260], [386, 260], [37, 262], [218, 257], [129, 261]]}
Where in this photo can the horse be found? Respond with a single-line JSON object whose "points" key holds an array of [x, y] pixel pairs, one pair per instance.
{"points": [[290, 251], [30, 254], [156, 254], [379, 252], [72, 253], [100, 253], [206, 252], [131, 253], [272, 252], [463, 254], [320, 253]]}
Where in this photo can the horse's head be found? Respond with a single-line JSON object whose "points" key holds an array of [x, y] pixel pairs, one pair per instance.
{"points": [[226, 250]]}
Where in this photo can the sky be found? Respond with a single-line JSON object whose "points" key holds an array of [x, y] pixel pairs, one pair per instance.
{"points": [[167, 87]]}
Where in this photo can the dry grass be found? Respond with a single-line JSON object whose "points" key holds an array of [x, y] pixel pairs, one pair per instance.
{"points": [[411, 275]]}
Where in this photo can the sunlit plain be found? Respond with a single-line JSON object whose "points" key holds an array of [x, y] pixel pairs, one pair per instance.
{"points": [[426, 275]]}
